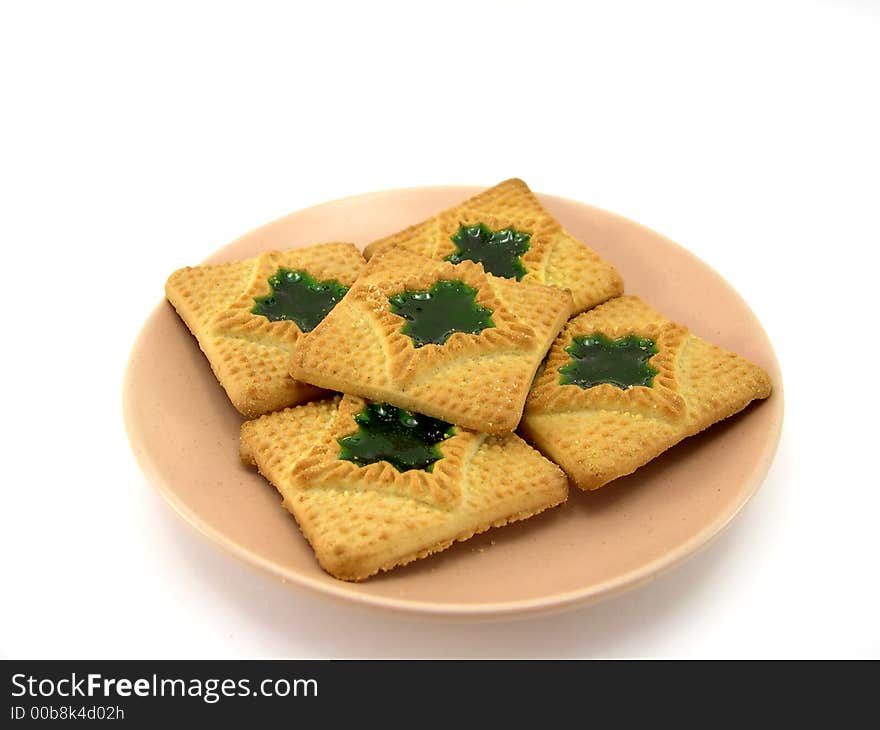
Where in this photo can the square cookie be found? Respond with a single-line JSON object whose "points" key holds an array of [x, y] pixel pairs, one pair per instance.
{"points": [[373, 487], [248, 315], [449, 341], [508, 230], [622, 384]]}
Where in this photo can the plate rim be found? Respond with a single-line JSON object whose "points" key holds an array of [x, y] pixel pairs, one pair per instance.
{"points": [[495, 611]]}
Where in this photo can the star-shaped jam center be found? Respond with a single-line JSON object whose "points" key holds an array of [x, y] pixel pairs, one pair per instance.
{"points": [[498, 251], [597, 359], [434, 315], [298, 297], [386, 433]]}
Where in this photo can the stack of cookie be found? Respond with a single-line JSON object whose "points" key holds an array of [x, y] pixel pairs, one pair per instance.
{"points": [[456, 380]]}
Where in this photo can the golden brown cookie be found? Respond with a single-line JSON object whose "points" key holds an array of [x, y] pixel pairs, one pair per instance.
{"points": [[391, 487], [507, 229], [622, 384], [249, 352], [446, 340]]}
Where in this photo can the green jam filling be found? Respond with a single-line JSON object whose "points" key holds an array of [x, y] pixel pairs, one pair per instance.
{"points": [[498, 251], [598, 359], [449, 306], [403, 439], [298, 297]]}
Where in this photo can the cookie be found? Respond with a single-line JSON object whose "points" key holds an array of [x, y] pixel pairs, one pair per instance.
{"points": [[622, 384], [373, 487], [507, 229], [443, 339], [248, 315]]}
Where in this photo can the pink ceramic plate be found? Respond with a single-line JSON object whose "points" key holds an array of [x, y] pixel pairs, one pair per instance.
{"points": [[184, 433]]}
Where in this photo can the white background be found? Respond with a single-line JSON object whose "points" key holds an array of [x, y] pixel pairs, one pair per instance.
{"points": [[139, 137]]}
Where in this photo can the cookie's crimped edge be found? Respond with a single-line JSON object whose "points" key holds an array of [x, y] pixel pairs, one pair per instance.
{"points": [[348, 567], [634, 309], [343, 570], [548, 237], [407, 367], [249, 398], [584, 475], [250, 401], [245, 444]]}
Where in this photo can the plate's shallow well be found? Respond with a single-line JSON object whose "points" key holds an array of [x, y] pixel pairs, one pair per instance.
{"points": [[185, 435]]}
